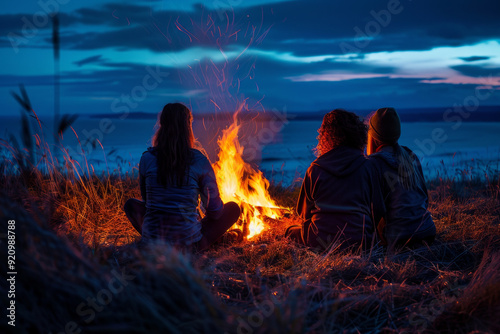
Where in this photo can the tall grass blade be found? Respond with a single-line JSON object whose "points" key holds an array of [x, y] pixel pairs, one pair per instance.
{"points": [[65, 123], [22, 99], [27, 137]]}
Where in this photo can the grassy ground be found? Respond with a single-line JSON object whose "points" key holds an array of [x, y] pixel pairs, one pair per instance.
{"points": [[78, 269]]}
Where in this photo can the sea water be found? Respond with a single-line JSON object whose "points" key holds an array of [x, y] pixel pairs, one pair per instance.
{"points": [[282, 151]]}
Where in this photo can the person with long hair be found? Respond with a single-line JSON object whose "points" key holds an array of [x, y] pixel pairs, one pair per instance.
{"points": [[173, 175], [406, 221], [340, 188]]}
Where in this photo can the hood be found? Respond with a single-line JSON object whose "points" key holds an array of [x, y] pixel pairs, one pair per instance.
{"points": [[341, 161]]}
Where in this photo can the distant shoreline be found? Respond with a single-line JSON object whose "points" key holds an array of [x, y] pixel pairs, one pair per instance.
{"points": [[481, 114]]}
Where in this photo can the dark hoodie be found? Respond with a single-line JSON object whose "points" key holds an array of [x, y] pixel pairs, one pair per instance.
{"points": [[339, 190], [407, 218]]}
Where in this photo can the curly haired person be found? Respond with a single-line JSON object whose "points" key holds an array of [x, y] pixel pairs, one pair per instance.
{"points": [[340, 193]]}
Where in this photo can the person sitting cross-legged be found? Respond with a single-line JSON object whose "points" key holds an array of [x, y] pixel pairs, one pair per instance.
{"points": [[172, 175]]}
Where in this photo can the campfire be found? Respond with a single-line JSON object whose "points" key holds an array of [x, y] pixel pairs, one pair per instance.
{"points": [[239, 182]]}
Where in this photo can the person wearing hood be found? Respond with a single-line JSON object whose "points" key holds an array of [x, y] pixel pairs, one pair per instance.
{"points": [[340, 188], [172, 176], [406, 221]]}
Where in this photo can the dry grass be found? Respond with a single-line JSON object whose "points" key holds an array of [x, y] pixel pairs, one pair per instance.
{"points": [[73, 238]]}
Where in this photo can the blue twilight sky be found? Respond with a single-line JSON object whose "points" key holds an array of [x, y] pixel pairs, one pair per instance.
{"points": [[312, 55]]}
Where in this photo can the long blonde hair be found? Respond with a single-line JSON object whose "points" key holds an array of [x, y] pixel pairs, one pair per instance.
{"points": [[409, 175]]}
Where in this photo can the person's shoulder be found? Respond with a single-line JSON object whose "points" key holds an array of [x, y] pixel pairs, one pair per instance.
{"points": [[407, 149], [383, 158], [197, 154], [198, 157], [380, 155], [151, 150], [375, 159], [378, 164], [150, 153], [313, 170], [413, 155], [148, 159], [410, 152]]}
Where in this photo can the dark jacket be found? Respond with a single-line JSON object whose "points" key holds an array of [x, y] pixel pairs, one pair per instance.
{"points": [[171, 212], [406, 217], [336, 199]]}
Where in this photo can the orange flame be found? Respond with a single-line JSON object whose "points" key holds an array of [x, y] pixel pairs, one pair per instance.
{"points": [[239, 182]]}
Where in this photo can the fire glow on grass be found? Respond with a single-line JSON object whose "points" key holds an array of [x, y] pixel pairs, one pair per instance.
{"points": [[238, 181]]}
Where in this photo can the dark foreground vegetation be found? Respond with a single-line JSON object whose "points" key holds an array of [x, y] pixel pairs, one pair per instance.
{"points": [[78, 267]]}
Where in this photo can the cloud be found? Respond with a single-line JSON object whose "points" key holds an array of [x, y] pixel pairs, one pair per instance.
{"points": [[466, 80], [128, 38], [477, 71], [365, 25], [89, 60], [288, 51], [474, 58], [303, 28], [334, 77]]}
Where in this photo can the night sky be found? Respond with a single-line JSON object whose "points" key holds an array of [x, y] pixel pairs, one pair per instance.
{"points": [[300, 55]]}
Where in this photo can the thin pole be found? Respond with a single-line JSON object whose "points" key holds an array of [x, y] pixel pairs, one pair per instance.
{"points": [[57, 76]]}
